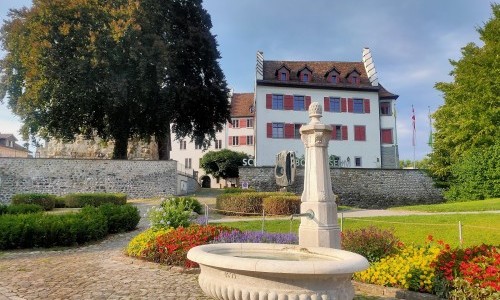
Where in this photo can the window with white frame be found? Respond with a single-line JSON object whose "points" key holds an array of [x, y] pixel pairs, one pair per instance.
{"points": [[187, 163], [358, 106], [278, 130], [357, 161], [385, 109], [235, 140], [249, 123], [334, 104], [299, 103], [218, 144], [249, 139], [182, 144], [235, 123], [277, 102]]}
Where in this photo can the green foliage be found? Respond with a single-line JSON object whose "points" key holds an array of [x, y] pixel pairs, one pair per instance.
{"points": [[462, 289], [223, 163], [419, 164], [173, 212], [372, 242], [281, 205], [244, 203], [51, 230], [466, 206], [60, 202], [476, 175], [117, 69], [120, 218], [236, 190], [20, 209], [94, 199], [44, 200], [469, 118]]}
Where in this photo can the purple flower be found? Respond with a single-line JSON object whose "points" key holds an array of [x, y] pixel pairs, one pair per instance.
{"points": [[237, 236]]}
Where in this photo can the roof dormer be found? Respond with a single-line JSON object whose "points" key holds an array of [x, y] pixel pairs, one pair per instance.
{"points": [[353, 77], [283, 73], [305, 74], [333, 76]]}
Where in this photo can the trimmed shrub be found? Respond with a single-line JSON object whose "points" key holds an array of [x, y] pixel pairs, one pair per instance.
{"points": [[234, 190], [281, 205], [119, 218], [244, 203], [94, 199], [44, 200], [371, 242], [20, 209], [60, 202]]}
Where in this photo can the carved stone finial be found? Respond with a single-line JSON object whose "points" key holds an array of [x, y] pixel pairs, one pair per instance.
{"points": [[315, 112]]}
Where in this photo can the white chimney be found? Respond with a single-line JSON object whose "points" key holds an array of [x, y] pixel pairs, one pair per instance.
{"points": [[370, 66], [259, 68]]}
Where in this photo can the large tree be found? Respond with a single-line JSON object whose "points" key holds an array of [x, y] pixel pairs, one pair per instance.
{"points": [[469, 120], [223, 163], [117, 69]]}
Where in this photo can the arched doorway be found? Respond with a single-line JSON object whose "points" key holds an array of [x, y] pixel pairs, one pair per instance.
{"points": [[205, 182]]}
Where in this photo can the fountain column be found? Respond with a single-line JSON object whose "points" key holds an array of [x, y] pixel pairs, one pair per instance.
{"points": [[323, 229]]}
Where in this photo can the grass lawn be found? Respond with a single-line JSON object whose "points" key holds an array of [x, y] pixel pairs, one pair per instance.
{"points": [[479, 205], [476, 228]]}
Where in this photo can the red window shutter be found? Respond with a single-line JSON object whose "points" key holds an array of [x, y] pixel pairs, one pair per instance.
{"points": [[289, 131], [350, 105], [338, 79], [308, 102], [269, 101], [386, 136], [230, 124], [367, 106], [334, 132], [288, 105], [243, 123], [243, 140], [343, 104], [327, 103], [363, 133], [269, 130], [344, 133], [359, 133], [230, 141]]}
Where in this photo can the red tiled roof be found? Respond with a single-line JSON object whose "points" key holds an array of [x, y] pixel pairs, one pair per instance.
{"points": [[242, 105], [7, 136], [318, 68]]}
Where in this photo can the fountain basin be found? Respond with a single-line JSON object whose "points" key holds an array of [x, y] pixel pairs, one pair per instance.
{"points": [[241, 271]]}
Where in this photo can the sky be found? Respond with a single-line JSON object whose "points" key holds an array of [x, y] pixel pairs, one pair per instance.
{"points": [[411, 43]]}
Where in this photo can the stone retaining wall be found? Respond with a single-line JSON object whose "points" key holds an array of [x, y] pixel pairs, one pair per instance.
{"points": [[136, 178], [364, 188]]}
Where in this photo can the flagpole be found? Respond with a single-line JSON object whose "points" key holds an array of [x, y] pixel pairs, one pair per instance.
{"points": [[430, 128], [396, 162], [414, 142]]}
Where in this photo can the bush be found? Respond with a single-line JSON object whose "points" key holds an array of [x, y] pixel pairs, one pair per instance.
{"points": [[281, 205], [372, 242], [94, 199], [237, 236], [172, 247], [189, 204], [44, 200], [60, 202], [244, 203], [20, 209], [144, 243], [172, 212], [234, 190], [119, 218]]}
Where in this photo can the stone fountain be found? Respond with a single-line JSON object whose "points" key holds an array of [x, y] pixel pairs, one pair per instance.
{"points": [[316, 269]]}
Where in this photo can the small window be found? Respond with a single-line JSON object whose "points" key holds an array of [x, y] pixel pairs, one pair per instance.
{"points": [[337, 132], [360, 133], [182, 144], [385, 108], [299, 103], [236, 140], [305, 77], [278, 130], [334, 104], [357, 161], [334, 78], [249, 139], [358, 106], [296, 131], [187, 163], [249, 123], [235, 123], [277, 102], [197, 147], [283, 76], [218, 144]]}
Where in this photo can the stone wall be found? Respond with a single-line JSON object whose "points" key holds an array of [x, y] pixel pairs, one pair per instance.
{"points": [[364, 188], [136, 178]]}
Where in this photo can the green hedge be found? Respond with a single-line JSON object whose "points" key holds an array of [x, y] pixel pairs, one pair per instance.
{"points": [[50, 230], [244, 203], [94, 199], [237, 190], [281, 205], [20, 209], [44, 200]]}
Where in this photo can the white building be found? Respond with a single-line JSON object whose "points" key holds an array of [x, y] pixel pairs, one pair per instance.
{"points": [[236, 136], [354, 103]]}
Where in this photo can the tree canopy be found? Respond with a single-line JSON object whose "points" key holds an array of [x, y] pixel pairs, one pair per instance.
{"points": [[117, 69], [223, 163], [469, 120]]}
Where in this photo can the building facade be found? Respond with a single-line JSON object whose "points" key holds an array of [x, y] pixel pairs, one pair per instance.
{"points": [[9, 147], [359, 109]]}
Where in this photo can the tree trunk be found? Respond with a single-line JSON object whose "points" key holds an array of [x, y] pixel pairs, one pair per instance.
{"points": [[164, 146], [120, 149]]}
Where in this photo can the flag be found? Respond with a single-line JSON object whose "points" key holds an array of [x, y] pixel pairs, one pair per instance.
{"points": [[413, 124]]}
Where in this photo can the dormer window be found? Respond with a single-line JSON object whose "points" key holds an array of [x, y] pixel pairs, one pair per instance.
{"points": [[333, 76], [353, 77], [305, 74], [283, 73], [305, 77]]}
